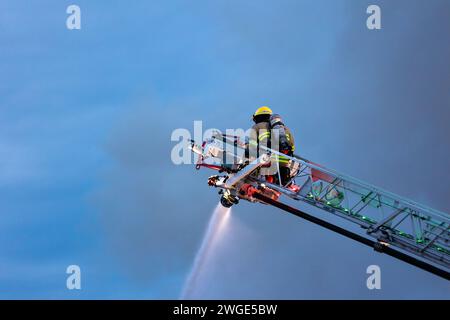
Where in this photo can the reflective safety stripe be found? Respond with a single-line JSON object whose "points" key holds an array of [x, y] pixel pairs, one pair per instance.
{"points": [[280, 159], [264, 135]]}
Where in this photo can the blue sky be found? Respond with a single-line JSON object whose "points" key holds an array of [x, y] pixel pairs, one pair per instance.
{"points": [[86, 117]]}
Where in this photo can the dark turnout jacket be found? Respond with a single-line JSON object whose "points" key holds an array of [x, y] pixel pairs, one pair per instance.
{"points": [[260, 135]]}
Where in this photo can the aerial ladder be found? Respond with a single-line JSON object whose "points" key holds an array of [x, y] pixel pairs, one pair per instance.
{"points": [[389, 223], [397, 226]]}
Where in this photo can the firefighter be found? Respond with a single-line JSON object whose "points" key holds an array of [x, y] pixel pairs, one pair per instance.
{"points": [[285, 139], [266, 124], [260, 131]]}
